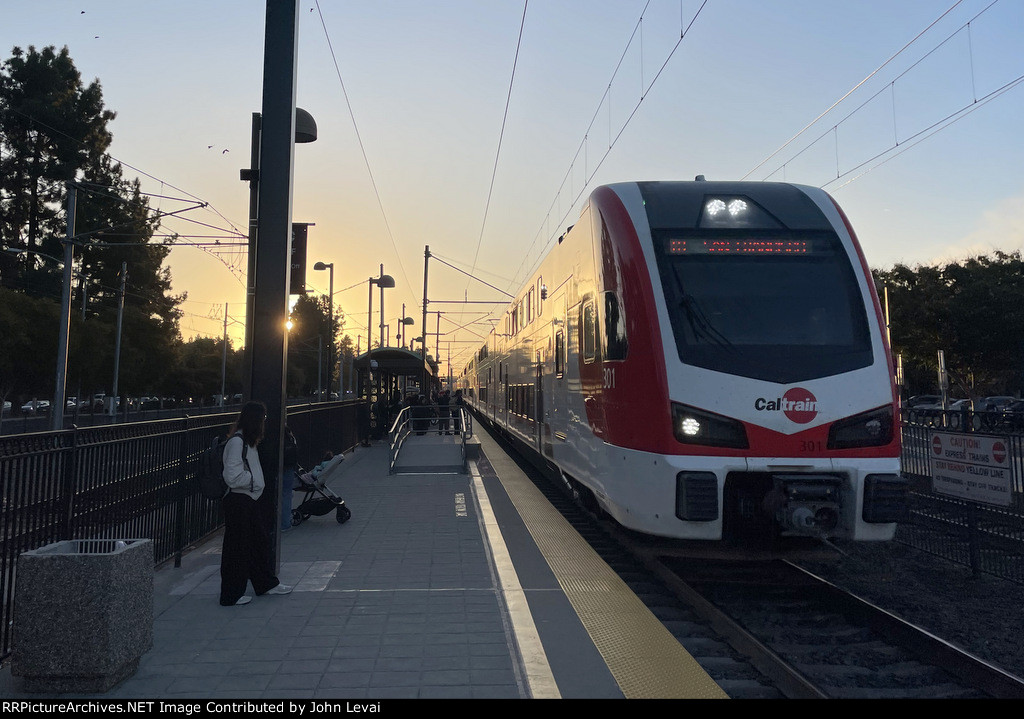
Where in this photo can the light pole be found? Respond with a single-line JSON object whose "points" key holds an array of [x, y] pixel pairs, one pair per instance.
{"points": [[382, 281], [402, 321], [320, 266]]}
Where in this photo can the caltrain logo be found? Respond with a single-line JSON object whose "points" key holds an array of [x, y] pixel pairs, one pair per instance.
{"points": [[798, 404]]}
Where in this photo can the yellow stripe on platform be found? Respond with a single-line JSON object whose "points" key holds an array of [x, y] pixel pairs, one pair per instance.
{"points": [[646, 661]]}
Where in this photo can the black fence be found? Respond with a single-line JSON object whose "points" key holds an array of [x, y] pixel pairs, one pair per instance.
{"points": [[128, 481], [988, 538]]}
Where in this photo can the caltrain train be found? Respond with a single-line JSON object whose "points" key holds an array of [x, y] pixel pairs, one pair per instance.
{"points": [[704, 360]]}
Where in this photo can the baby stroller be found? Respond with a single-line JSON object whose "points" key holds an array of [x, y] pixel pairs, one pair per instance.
{"points": [[318, 499]]}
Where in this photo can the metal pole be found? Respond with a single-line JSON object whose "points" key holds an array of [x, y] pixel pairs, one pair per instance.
{"points": [[273, 253], [319, 368], [117, 346], [381, 283], [330, 329], [60, 379], [223, 359], [250, 277], [423, 344], [369, 317]]}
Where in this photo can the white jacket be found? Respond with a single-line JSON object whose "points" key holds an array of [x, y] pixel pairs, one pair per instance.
{"points": [[238, 478]]}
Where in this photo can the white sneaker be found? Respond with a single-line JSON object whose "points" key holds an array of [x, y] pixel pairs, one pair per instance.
{"points": [[244, 599], [281, 589]]}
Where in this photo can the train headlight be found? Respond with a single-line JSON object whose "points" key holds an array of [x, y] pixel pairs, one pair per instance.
{"points": [[732, 212], [868, 429], [696, 426], [714, 208]]}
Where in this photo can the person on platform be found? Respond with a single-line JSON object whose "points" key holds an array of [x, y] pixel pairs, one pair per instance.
{"points": [[245, 555]]}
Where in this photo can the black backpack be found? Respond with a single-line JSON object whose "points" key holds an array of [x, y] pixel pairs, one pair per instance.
{"points": [[211, 468]]}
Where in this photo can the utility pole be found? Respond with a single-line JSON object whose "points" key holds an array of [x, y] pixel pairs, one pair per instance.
{"points": [[223, 359], [117, 346], [60, 380], [423, 344]]}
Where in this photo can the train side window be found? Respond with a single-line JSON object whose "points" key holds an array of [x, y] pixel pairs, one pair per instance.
{"points": [[616, 346], [559, 353], [529, 306], [588, 336]]}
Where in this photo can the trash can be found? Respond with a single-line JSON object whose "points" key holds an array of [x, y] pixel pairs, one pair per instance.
{"points": [[83, 614]]}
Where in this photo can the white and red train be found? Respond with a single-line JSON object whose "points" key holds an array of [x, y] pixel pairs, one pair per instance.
{"points": [[705, 360]]}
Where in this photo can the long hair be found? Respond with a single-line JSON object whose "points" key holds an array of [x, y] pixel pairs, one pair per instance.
{"points": [[250, 423]]}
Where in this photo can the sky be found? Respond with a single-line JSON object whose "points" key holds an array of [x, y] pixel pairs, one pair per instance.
{"points": [[910, 113]]}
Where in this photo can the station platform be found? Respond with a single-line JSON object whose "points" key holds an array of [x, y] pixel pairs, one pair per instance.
{"points": [[441, 585]]}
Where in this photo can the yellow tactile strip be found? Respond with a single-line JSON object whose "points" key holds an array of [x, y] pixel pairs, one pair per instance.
{"points": [[645, 659]]}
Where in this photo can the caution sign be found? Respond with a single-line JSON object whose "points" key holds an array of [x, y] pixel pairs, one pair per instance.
{"points": [[971, 466]]}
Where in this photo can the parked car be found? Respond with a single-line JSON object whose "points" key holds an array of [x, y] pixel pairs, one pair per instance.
{"points": [[925, 401], [7, 407], [960, 405], [994, 404], [1015, 407], [36, 406]]}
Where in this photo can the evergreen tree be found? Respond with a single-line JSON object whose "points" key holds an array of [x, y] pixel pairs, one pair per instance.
{"points": [[54, 130]]}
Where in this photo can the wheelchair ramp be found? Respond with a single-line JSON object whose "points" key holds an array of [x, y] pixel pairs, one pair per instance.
{"points": [[430, 453]]}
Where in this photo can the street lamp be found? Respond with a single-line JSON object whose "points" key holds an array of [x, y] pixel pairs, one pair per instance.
{"points": [[403, 320], [330, 320], [384, 281]]}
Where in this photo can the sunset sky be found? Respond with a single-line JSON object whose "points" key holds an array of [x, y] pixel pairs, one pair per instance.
{"points": [[925, 156]]}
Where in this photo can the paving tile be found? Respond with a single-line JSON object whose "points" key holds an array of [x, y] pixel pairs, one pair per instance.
{"points": [[244, 682], [294, 681]]}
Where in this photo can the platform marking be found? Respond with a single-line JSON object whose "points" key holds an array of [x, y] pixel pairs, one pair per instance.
{"points": [[539, 677], [645, 659]]}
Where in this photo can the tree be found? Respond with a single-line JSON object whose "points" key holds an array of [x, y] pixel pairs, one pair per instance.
{"points": [[972, 310], [54, 130], [309, 343]]}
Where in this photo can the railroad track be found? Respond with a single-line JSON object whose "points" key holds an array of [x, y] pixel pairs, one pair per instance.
{"points": [[767, 629], [817, 640]]}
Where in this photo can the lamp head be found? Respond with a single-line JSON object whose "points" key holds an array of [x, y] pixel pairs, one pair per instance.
{"points": [[323, 266], [305, 126], [386, 281]]}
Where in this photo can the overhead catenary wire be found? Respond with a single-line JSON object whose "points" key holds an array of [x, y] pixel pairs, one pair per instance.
{"points": [[501, 135], [362, 147], [831, 107], [612, 141]]}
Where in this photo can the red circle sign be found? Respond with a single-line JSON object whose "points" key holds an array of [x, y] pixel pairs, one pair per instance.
{"points": [[999, 452], [799, 405], [937, 445]]}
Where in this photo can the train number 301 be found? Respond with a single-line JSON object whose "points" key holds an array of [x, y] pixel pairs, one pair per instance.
{"points": [[609, 378]]}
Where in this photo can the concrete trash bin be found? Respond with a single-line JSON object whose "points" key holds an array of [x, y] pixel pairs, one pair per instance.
{"points": [[83, 614]]}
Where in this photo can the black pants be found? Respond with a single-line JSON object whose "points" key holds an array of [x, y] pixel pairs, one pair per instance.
{"points": [[245, 556]]}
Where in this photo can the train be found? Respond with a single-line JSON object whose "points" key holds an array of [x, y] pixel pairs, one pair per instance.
{"points": [[704, 360]]}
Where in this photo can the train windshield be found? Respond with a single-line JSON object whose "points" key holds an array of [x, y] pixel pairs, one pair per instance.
{"points": [[780, 306]]}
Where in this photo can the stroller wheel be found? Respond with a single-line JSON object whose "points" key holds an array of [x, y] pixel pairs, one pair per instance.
{"points": [[296, 518], [343, 514]]}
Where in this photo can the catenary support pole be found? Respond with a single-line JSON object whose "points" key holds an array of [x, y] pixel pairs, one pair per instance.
{"points": [[269, 353]]}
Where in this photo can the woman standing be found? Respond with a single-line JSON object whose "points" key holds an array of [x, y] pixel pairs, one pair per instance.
{"points": [[245, 556]]}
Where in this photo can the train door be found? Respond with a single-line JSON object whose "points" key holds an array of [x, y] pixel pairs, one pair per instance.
{"points": [[538, 405]]}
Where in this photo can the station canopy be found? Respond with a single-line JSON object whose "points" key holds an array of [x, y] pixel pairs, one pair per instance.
{"points": [[394, 361]]}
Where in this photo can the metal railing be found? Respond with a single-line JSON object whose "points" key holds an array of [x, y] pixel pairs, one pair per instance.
{"points": [[987, 538], [460, 423], [134, 480]]}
